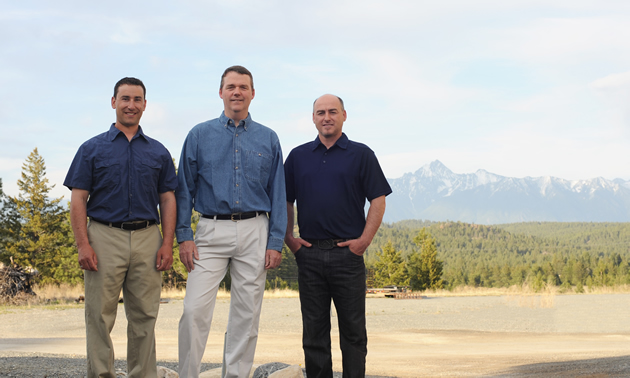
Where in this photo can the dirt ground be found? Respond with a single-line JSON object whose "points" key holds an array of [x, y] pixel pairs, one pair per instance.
{"points": [[494, 336]]}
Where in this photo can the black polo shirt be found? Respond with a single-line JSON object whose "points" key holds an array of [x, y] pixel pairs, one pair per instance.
{"points": [[331, 186]]}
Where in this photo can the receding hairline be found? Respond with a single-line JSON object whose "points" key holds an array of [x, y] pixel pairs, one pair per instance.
{"points": [[328, 94]]}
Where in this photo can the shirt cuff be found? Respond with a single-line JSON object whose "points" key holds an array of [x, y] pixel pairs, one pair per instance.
{"points": [[184, 234], [275, 244]]}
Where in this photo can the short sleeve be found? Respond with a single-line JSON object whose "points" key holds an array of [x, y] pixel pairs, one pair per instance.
{"points": [[374, 182], [168, 177], [80, 173]]}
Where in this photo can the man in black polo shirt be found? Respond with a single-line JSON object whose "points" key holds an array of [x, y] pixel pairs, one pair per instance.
{"points": [[330, 178], [117, 179]]}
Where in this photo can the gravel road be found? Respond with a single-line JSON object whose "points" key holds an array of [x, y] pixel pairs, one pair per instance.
{"points": [[500, 336]]}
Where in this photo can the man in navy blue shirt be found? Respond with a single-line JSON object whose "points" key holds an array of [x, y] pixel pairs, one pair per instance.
{"points": [[330, 178], [231, 172], [117, 179]]}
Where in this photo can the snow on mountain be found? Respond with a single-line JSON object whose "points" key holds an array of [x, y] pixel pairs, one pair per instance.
{"points": [[434, 192]]}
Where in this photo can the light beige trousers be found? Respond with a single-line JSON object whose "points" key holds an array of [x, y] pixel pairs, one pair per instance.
{"points": [[222, 243], [126, 259]]}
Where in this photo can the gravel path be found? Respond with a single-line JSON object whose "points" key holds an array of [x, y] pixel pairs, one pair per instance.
{"points": [[503, 336]]}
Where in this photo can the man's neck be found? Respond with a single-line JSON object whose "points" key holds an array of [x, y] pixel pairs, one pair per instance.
{"points": [[129, 131]]}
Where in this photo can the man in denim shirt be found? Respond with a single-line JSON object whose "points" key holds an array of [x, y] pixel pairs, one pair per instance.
{"points": [[330, 178], [231, 172], [117, 180]]}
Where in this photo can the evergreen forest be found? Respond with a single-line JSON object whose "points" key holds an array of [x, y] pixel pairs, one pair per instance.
{"points": [[35, 233]]}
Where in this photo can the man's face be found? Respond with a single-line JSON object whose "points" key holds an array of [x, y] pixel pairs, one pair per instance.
{"points": [[129, 104], [328, 116], [237, 93]]}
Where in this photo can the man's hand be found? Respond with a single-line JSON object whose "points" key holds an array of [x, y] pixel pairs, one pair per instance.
{"points": [[295, 243], [164, 258], [357, 246], [188, 251], [273, 259], [87, 258]]}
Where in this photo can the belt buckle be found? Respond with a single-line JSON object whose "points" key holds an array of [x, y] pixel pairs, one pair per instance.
{"points": [[326, 244], [232, 217]]}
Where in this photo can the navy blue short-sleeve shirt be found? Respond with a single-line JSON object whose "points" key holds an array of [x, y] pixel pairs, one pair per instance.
{"points": [[331, 187], [124, 178]]}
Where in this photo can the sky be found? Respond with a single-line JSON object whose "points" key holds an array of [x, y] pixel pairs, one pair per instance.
{"points": [[518, 88]]}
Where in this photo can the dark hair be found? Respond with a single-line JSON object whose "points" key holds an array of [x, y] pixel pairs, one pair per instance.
{"points": [[339, 98], [240, 70], [129, 81]]}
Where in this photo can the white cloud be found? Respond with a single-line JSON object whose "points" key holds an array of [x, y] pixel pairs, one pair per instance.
{"points": [[612, 82]]}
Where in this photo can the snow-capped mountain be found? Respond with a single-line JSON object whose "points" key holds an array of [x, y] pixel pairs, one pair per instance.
{"points": [[434, 192]]}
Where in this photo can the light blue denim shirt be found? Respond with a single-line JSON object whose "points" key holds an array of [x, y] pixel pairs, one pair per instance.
{"points": [[226, 169]]}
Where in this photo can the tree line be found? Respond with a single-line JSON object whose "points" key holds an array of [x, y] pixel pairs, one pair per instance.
{"points": [[568, 255], [35, 231]]}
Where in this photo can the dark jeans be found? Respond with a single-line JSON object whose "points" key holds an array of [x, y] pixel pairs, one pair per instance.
{"points": [[336, 274]]}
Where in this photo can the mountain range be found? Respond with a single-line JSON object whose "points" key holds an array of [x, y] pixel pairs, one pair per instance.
{"points": [[435, 193]]}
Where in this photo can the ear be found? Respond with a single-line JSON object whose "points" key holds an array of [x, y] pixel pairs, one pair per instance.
{"points": [[313, 117], [113, 102], [221, 93], [253, 93], [345, 115]]}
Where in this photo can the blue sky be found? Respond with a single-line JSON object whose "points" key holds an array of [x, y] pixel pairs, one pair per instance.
{"points": [[518, 88]]}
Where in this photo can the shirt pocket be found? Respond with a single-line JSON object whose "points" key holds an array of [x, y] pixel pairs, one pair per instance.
{"points": [[257, 166], [106, 174], [150, 173]]}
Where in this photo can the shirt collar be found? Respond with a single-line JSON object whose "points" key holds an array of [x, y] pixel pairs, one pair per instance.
{"points": [[225, 121], [113, 133], [342, 142]]}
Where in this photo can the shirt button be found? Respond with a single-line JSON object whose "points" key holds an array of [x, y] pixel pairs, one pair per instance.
{"points": [[236, 168], [236, 134], [324, 161], [236, 184], [236, 150], [236, 201]]}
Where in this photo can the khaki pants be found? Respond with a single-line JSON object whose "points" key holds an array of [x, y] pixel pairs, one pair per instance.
{"points": [[126, 259], [222, 243]]}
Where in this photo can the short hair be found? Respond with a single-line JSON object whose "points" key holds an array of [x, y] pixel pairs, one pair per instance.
{"points": [[130, 81], [339, 98], [239, 70]]}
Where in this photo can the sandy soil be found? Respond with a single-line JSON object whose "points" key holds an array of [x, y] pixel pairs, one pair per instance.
{"points": [[572, 335]]}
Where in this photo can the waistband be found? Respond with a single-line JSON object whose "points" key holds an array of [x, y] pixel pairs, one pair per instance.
{"points": [[325, 243], [127, 226], [235, 216]]}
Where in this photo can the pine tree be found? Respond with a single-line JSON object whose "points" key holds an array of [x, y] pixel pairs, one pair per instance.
{"points": [[9, 224], [42, 237], [390, 268], [425, 270]]}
